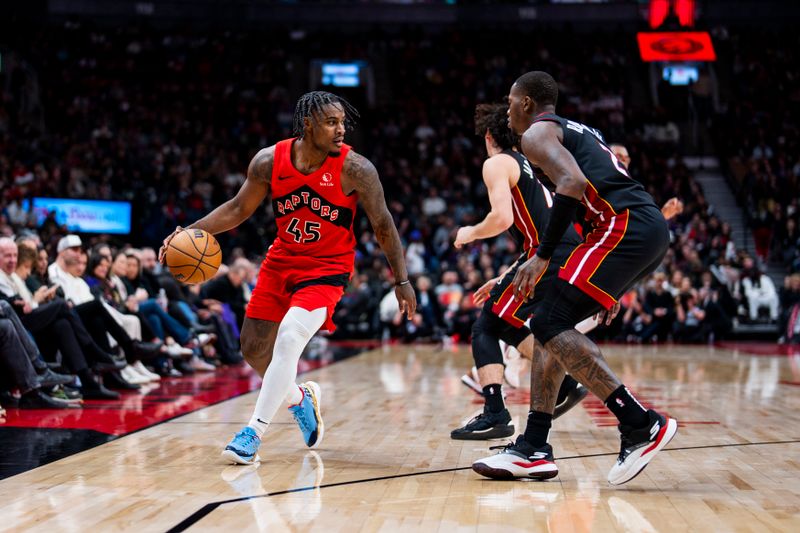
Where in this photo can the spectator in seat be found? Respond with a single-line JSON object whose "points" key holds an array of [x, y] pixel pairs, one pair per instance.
{"points": [[449, 292], [19, 373], [227, 289], [657, 311], [759, 291], [162, 323], [38, 275], [56, 327], [34, 373], [690, 319], [100, 319], [790, 306], [428, 306]]}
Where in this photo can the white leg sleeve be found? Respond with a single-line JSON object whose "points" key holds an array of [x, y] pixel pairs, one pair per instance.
{"points": [[294, 332]]}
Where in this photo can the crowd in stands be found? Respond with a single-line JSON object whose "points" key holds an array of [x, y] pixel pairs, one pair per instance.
{"points": [[98, 319], [758, 138], [168, 120]]}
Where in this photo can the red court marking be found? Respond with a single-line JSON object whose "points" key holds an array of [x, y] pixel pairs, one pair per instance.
{"points": [[134, 410], [792, 383], [760, 348], [680, 423]]}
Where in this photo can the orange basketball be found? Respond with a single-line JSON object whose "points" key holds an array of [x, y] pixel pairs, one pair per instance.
{"points": [[193, 256]]}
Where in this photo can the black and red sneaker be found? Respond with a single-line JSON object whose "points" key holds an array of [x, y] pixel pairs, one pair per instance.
{"points": [[639, 446]]}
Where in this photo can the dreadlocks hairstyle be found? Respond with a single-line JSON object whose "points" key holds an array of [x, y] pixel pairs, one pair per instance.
{"points": [[492, 118], [540, 86], [313, 102]]}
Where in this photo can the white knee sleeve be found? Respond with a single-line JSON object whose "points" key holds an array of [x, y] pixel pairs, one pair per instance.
{"points": [[294, 332]]}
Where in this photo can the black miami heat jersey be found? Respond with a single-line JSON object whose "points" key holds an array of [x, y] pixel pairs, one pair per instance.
{"points": [[531, 204], [610, 190]]}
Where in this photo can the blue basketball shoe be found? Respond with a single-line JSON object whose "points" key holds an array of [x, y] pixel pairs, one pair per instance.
{"points": [[308, 415], [243, 449]]}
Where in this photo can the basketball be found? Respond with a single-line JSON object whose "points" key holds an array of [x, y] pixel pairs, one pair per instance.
{"points": [[193, 256]]}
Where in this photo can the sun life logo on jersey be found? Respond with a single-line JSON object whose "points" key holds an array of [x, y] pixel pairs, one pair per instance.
{"points": [[327, 180]]}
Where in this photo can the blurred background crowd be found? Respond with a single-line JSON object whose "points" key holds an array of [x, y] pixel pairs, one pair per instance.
{"points": [[168, 120]]}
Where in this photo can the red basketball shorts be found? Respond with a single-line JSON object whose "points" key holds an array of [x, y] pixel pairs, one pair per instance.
{"points": [[281, 286]]}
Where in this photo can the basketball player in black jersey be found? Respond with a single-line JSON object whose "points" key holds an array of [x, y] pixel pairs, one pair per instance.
{"points": [[673, 207], [628, 240], [504, 174], [520, 204]]}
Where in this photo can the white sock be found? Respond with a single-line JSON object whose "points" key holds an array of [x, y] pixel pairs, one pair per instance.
{"points": [[295, 395], [294, 332], [258, 425]]}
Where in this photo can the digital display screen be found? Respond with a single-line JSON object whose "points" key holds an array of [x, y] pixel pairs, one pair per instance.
{"points": [[341, 74], [680, 74], [84, 216]]}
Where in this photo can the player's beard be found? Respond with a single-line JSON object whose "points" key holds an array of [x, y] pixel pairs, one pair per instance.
{"points": [[331, 153]]}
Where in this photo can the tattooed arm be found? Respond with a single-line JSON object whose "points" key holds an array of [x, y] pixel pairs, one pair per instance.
{"points": [[240, 207], [360, 175]]}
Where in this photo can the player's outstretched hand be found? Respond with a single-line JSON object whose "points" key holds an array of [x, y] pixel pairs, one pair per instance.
{"points": [[463, 236], [527, 276], [672, 208], [607, 315], [481, 295], [162, 252], [407, 299]]}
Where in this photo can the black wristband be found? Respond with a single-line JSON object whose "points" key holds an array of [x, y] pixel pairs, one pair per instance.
{"points": [[561, 216], [404, 282]]}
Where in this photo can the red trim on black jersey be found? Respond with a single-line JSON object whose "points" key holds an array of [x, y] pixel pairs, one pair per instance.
{"points": [[524, 221], [589, 255]]}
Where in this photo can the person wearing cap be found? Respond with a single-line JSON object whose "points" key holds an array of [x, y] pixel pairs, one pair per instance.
{"points": [[99, 319], [56, 327]]}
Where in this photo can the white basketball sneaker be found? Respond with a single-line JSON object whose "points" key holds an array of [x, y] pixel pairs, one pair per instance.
{"points": [[640, 446], [519, 460]]}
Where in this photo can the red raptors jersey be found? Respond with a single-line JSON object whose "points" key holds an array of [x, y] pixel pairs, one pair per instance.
{"points": [[314, 216]]}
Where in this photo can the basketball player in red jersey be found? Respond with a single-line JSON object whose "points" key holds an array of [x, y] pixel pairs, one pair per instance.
{"points": [[315, 181], [628, 240]]}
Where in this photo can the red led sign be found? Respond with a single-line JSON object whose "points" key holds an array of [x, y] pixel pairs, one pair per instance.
{"points": [[676, 46]]}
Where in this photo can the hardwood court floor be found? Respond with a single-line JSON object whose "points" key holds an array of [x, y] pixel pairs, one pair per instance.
{"points": [[387, 462]]}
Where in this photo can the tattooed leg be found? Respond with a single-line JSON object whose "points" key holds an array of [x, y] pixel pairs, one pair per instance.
{"points": [[258, 341], [546, 377], [582, 359]]}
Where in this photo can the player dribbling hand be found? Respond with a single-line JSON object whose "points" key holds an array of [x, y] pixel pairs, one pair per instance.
{"points": [[162, 252]]}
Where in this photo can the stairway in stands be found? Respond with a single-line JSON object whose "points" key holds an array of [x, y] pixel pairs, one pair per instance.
{"points": [[720, 197]]}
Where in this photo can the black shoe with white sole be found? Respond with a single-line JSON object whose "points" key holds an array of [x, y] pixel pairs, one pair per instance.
{"points": [[573, 395], [487, 425]]}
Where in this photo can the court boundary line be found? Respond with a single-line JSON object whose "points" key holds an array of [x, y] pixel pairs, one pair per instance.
{"points": [[208, 508], [173, 418]]}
